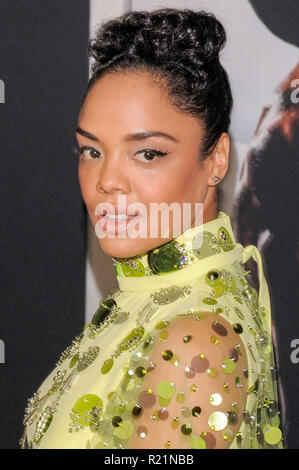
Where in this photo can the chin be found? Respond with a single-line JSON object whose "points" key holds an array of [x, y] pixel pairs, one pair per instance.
{"points": [[123, 248], [128, 247]]}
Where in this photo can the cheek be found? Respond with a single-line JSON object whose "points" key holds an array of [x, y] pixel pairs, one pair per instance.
{"points": [[87, 183], [180, 183]]}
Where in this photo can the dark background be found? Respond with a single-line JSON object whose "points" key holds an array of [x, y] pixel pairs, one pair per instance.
{"points": [[44, 66]]}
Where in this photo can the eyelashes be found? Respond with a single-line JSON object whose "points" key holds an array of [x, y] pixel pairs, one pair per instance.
{"points": [[151, 154], [79, 151]]}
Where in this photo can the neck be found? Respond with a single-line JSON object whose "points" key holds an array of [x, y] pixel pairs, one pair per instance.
{"points": [[193, 245]]}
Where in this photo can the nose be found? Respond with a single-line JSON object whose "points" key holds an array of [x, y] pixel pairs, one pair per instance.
{"points": [[112, 177]]}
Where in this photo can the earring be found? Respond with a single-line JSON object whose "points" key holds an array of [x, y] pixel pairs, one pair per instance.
{"points": [[217, 179]]}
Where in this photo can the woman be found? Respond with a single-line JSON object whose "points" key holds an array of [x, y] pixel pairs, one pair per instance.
{"points": [[180, 356]]}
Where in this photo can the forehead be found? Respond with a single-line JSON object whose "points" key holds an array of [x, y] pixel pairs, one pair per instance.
{"points": [[131, 101]]}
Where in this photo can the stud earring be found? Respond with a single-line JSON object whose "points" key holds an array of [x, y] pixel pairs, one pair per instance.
{"points": [[217, 179]]}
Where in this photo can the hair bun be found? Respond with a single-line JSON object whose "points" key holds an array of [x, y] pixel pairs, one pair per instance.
{"points": [[209, 35]]}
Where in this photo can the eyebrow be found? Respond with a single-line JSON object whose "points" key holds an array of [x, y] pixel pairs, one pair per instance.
{"points": [[131, 137]]}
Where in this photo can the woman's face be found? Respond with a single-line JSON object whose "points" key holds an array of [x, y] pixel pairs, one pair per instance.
{"points": [[120, 164]]}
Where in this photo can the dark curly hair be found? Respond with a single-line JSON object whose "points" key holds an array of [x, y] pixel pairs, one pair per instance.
{"points": [[178, 48]]}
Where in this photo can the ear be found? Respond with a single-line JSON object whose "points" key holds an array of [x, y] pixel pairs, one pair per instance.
{"points": [[219, 160]]}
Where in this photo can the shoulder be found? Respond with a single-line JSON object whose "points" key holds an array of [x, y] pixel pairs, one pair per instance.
{"points": [[199, 379]]}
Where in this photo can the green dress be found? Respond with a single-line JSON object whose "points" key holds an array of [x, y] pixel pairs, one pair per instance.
{"points": [[179, 357]]}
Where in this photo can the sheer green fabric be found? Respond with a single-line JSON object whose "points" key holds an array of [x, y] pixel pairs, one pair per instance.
{"points": [[179, 357]]}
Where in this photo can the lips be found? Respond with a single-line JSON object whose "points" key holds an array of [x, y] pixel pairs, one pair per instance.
{"points": [[116, 221]]}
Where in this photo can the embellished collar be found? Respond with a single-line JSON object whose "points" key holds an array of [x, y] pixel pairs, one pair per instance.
{"points": [[190, 247]]}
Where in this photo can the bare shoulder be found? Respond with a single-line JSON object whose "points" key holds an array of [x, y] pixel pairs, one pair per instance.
{"points": [[200, 381]]}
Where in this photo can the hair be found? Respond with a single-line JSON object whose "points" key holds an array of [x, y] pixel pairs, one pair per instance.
{"points": [[180, 50]]}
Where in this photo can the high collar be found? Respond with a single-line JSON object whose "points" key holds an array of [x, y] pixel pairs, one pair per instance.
{"points": [[190, 247]]}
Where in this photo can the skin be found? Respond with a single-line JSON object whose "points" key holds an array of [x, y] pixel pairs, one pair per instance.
{"points": [[129, 102]]}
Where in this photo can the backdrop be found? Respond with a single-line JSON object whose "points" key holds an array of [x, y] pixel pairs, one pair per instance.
{"points": [[53, 272]]}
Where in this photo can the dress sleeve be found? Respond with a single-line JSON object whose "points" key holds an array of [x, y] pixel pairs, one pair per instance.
{"points": [[195, 392]]}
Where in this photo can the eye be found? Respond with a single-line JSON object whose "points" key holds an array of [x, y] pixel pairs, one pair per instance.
{"points": [[86, 153], [151, 154]]}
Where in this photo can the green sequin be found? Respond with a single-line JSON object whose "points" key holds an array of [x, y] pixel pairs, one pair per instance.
{"points": [[125, 430], [225, 239], [135, 269], [198, 442], [83, 407], [107, 365], [103, 311], [165, 389], [228, 366], [165, 259]]}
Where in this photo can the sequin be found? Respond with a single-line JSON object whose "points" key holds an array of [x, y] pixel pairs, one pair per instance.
{"points": [[225, 239], [217, 291], [142, 431], [163, 335], [116, 420], [162, 324], [217, 421], [140, 371], [233, 354], [212, 372], [212, 276], [199, 364], [103, 311], [107, 365], [82, 409], [228, 366], [272, 434], [209, 439], [186, 428], [227, 435], [239, 313], [197, 442], [232, 417], [175, 423], [209, 301], [180, 398], [175, 360], [125, 430], [215, 399], [74, 360], [186, 412], [165, 259], [147, 399], [165, 389], [167, 354], [238, 328], [136, 356], [196, 411], [214, 340], [137, 411], [189, 372], [219, 328], [132, 267], [163, 414], [187, 338]]}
